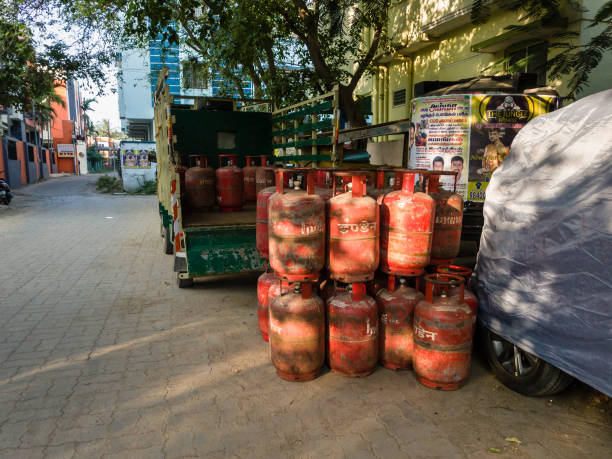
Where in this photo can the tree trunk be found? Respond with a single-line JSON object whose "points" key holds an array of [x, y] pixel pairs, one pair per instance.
{"points": [[349, 107]]}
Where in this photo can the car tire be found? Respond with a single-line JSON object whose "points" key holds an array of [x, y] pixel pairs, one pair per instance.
{"points": [[533, 378], [168, 246]]}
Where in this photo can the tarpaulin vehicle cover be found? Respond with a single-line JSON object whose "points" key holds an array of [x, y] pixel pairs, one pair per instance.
{"points": [[543, 275]]}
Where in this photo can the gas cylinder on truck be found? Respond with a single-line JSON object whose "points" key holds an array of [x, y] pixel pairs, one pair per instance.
{"points": [[353, 237], [200, 185], [297, 333], [353, 332], [248, 173], [443, 330], [407, 221], [447, 224], [230, 184], [396, 305], [296, 231]]}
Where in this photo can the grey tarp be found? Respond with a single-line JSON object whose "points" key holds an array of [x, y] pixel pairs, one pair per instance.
{"points": [[543, 273]]}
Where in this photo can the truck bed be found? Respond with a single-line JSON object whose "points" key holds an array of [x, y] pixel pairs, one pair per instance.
{"points": [[216, 218]]}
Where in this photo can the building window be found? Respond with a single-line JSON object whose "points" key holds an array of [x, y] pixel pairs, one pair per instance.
{"points": [[399, 97], [44, 156], [195, 76], [12, 150], [30, 154], [530, 59]]}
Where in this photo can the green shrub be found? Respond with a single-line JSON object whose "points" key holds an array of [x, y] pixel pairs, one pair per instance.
{"points": [[108, 184]]}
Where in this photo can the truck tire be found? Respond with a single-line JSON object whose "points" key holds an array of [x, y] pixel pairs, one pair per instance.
{"points": [[533, 378], [167, 244]]}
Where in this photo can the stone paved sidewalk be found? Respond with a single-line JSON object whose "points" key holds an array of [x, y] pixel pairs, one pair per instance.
{"points": [[102, 355]]}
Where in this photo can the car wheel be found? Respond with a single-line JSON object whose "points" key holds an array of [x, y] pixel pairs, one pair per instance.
{"points": [[168, 246], [521, 371]]}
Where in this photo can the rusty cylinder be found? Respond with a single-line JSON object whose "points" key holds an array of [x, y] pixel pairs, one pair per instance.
{"points": [[296, 231], [200, 185], [443, 330], [447, 225], [353, 242], [297, 334]]}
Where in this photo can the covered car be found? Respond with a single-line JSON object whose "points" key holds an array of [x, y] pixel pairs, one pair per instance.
{"points": [[543, 276]]}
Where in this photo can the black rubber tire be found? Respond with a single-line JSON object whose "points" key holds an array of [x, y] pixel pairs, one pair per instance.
{"points": [[541, 378], [183, 283], [168, 245]]}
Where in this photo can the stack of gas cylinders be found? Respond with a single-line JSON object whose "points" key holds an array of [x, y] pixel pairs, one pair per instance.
{"points": [[229, 187], [348, 283]]}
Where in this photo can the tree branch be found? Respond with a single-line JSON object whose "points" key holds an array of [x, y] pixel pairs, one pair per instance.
{"points": [[363, 65]]}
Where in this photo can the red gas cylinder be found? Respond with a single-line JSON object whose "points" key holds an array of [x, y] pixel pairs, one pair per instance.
{"points": [[248, 172], [443, 329], [200, 185], [466, 273], [396, 306], [264, 176], [297, 333], [264, 283], [407, 221], [353, 233], [261, 228], [353, 332], [296, 231], [447, 226], [230, 184]]}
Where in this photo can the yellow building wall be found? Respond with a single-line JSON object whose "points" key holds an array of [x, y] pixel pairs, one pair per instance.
{"points": [[449, 57]]}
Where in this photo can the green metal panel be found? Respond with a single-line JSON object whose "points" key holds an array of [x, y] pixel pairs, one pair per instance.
{"points": [[305, 127], [305, 143], [222, 250], [304, 111], [196, 133]]}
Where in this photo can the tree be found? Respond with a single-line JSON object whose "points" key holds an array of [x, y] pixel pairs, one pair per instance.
{"points": [[323, 39], [38, 49], [575, 61], [86, 106]]}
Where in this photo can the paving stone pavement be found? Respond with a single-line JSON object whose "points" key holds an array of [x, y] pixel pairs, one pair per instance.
{"points": [[101, 355]]}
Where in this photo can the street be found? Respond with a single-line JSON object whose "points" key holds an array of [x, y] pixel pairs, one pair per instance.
{"points": [[102, 355]]}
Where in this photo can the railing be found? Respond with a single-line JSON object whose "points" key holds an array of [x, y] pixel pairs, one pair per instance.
{"points": [[307, 125]]}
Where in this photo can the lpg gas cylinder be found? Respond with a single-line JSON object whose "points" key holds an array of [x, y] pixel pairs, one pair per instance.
{"points": [[443, 330], [264, 283], [353, 332], [261, 227], [396, 306], [353, 233], [230, 184], [264, 176], [296, 231], [466, 273], [200, 185], [248, 172], [297, 333], [447, 225], [407, 221]]}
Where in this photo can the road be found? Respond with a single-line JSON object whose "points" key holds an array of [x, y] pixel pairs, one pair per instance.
{"points": [[102, 355]]}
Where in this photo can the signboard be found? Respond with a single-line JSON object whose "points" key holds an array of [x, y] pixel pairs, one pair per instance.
{"points": [[136, 159], [65, 150], [470, 134], [440, 139]]}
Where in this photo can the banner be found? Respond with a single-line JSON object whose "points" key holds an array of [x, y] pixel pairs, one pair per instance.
{"points": [[469, 134], [440, 137], [496, 119], [136, 159], [65, 150]]}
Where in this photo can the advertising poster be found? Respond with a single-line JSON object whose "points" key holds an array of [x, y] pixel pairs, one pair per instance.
{"points": [[136, 159], [440, 137], [65, 150], [496, 119]]}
